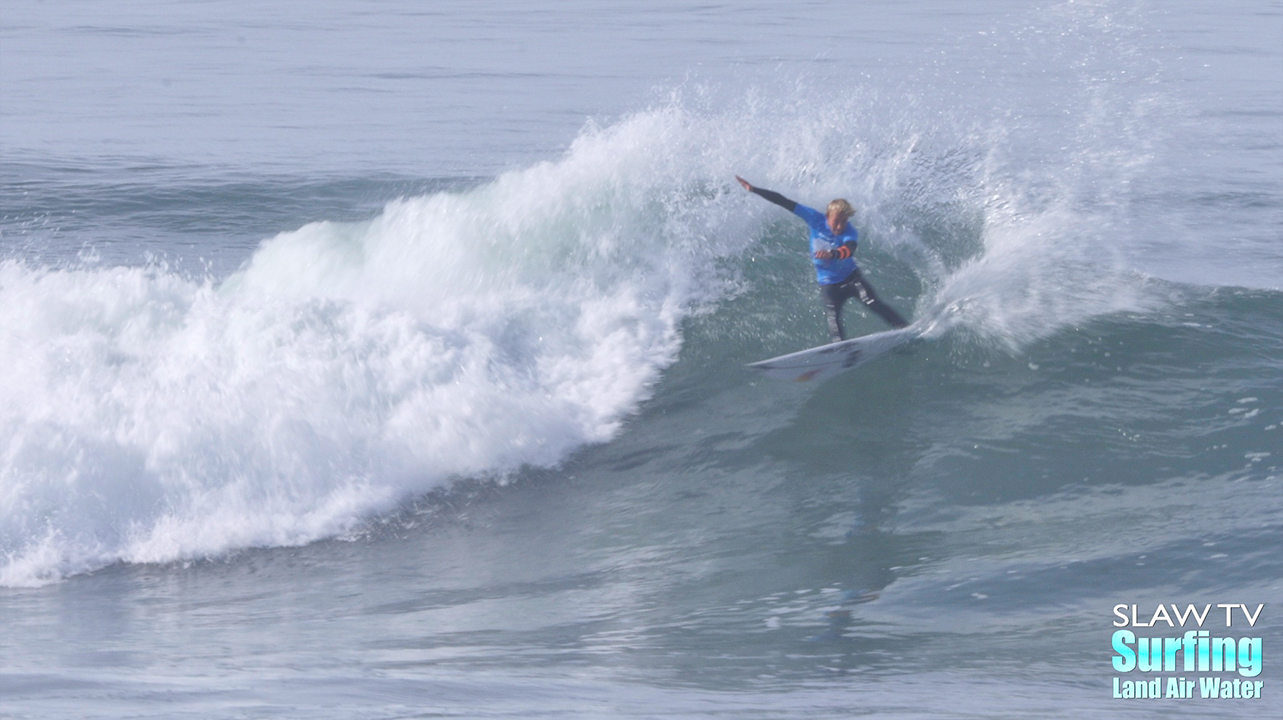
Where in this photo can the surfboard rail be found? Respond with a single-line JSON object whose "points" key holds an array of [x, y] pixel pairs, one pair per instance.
{"points": [[820, 363]]}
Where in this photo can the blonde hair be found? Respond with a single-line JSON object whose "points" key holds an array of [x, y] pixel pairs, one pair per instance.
{"points": [[842, 207]]}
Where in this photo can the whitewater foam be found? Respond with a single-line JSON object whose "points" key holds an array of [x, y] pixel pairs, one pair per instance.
{"points": [[347, 366], [151, 417]]}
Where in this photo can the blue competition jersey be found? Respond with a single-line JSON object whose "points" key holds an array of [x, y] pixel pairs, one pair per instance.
{"points": [[827, 272]]}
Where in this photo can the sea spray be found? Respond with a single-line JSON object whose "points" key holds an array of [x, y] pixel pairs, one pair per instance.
{"points": [[347, 366]]}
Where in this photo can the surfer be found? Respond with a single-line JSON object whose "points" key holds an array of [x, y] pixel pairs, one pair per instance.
{"points": [[832, 250]]}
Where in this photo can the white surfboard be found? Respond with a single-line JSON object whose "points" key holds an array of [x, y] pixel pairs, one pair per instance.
{"points": [[821, 363]]}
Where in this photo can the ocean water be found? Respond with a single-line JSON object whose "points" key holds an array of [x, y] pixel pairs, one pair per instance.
{"points": [[386, 360]]}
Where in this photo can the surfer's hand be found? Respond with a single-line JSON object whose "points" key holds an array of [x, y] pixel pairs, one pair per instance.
{"points": [[744, 182], [824, 254]]}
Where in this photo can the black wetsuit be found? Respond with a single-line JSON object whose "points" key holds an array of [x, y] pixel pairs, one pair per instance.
{"points": [[839, 277]]}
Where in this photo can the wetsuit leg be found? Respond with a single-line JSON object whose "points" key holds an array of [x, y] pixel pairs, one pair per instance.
{"points": [[834, 296], [870, 298]]}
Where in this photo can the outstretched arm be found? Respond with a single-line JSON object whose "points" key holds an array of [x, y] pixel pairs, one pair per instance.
{"points": [[771, 195]]}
